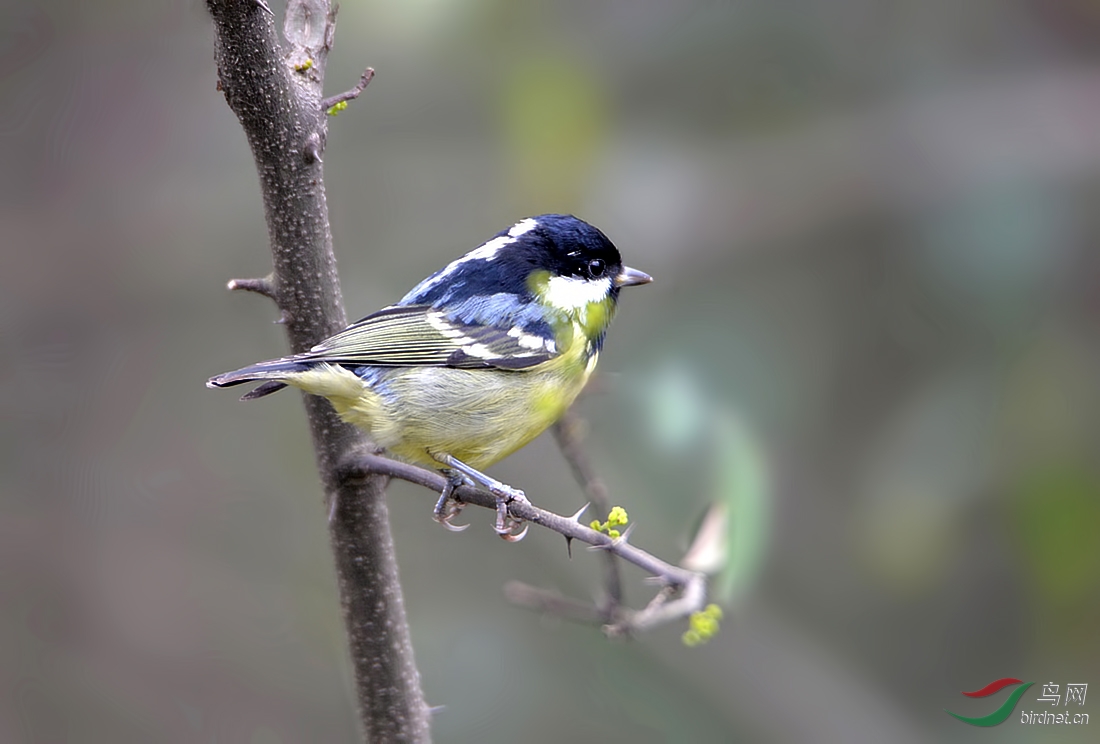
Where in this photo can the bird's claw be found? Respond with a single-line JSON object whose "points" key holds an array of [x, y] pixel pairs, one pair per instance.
{"points": [[446, 509], [506, 525], [446, 522], [511, 536], [459, 473]]}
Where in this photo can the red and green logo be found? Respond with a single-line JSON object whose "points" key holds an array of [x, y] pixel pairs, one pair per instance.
{"points": [[1001, 714]]}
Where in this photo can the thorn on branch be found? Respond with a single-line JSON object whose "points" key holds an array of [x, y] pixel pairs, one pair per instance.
{"points": [[311, 153], [263, 285], [682, 592], [337, 103], [263, 4]]}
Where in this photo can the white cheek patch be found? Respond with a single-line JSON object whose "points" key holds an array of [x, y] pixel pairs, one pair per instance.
{"points": [[574, 293]]}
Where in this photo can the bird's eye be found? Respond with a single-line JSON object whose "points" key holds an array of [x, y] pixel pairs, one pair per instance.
{"points": [[596, 267]]}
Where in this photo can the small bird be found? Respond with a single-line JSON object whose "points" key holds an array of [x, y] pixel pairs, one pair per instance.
{"points": [[476, 360]]}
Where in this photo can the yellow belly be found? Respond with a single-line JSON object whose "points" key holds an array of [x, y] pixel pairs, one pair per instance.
{"points": [[478, 416], [481, 420]]}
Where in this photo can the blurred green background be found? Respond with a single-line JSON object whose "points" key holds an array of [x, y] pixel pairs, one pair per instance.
{"points": [[874, 335]]}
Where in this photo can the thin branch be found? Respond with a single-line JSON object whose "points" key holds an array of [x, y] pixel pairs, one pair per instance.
{"points": [[260, 285], [569, 432], [665, 608], [687, 588], [352, 93], [553, 603]]}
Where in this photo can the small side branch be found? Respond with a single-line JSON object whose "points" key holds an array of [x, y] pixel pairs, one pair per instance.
{"points": [[350, 94], [553, 603], [682, 592], [664, 608], [264, 285]]}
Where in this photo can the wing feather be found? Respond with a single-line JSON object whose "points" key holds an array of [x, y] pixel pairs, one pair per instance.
{"points": [[418, 335]]}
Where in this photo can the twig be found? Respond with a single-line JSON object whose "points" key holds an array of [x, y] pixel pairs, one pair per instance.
{"points": [[352, 93], [569, 432], [664, 608], [261, 285], [687, 589], [553, 603]]}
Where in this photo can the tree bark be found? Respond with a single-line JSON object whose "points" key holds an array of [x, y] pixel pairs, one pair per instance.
{"points": [[276, 93]]}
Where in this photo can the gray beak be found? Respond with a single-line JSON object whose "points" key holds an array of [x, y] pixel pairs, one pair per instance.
{"points": [[629, 276]]}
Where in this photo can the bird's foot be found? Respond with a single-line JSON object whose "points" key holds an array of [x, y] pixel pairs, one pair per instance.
{"points": [[447, 508], [507, 526]]}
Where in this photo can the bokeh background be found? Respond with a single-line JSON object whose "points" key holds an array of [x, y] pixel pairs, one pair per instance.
{"points": [[874, 337]]}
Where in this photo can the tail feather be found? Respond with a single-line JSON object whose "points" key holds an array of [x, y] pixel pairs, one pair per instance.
{"points": [[269, 387], [272, 373]]}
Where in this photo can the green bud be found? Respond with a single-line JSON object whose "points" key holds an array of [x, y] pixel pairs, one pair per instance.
{"points": [[618, 516]]}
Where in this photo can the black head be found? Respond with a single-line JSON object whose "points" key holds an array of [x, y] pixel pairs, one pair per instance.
{"points": [[559, 244]]}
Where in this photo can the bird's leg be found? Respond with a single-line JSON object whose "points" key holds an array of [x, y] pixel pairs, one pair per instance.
{"points": [[447, 508], [506, 525]]}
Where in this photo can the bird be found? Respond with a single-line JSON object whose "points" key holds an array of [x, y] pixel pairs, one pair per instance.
{"points": [[476, 360]]}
